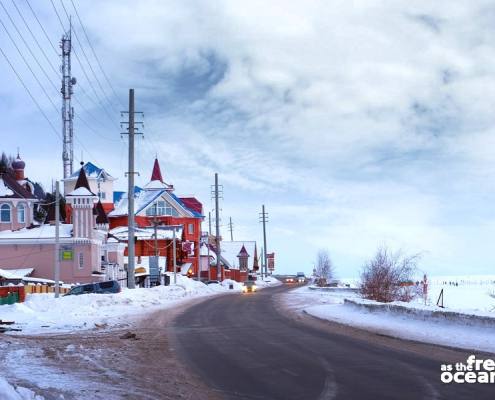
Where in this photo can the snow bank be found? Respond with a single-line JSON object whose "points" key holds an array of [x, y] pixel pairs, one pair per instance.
{"points": [[425, 312], [9, 392], [267, 282], [42, 313], [413, 322]]}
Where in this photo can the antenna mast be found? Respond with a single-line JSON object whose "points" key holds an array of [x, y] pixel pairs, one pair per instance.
{"points": [[67, 111]]}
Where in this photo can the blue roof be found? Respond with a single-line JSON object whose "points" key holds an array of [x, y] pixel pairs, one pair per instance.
{"points": [[117, 195], [89, 168]]}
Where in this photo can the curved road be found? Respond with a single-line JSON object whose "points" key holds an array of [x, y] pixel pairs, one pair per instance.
{"points": [[244, 347]]}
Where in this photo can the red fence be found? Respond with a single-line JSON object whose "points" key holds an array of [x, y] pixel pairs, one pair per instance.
{"points": [[5, 290]]}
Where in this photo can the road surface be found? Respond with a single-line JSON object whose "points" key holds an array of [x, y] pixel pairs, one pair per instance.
{"points": [[247, 347]]}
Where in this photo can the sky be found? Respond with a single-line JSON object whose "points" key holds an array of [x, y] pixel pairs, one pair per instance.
{"points": [[358, 124]]}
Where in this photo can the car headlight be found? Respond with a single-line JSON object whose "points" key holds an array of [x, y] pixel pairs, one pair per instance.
{"points": [[254, 288]]}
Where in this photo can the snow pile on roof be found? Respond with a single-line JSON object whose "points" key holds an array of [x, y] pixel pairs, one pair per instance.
{"points": [[4, 190], [15, 273], [141, 200], [43, 313], [40, 232], [9, 392], [82, 191], [93, 171], [162, 232]]}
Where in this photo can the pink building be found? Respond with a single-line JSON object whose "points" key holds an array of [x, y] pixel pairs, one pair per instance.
{"points": [[85, 255], [16, 197]]}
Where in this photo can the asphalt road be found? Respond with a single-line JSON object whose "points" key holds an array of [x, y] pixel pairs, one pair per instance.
{"points": [[244, 347]]}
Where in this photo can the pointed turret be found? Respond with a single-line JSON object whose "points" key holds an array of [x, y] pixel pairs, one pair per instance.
{"points": [[82, 181], [82, 201], [156, 175], [243, 258]]}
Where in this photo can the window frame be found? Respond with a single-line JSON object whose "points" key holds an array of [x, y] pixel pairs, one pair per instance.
{"points": [[21, 206], [3, 208]]}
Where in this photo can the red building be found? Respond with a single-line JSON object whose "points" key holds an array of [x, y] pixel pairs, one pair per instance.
{"points": [[157, 204]]}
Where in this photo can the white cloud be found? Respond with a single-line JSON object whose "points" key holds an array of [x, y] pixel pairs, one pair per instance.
{"points": [[356, 122]]}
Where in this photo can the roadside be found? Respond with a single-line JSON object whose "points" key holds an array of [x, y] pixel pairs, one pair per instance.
{"points": [[102, 346], [137, 362], [350, 317]]}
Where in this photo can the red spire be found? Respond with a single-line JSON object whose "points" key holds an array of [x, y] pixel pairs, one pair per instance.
{"points": [[156, 175]]}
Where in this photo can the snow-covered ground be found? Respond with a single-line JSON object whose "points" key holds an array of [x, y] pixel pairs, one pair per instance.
{"points": [[9, 392], [471, 296], [42, 313]]}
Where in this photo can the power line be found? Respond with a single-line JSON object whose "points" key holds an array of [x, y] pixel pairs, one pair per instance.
{"points": [[94, 54], [82, 68], [27, 64], [105, 96], [25, 44], [34, 37], [30, 94], [42, 28], [81, 88]]}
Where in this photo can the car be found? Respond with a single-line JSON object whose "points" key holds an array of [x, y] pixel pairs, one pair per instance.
{"points": [[212, 282], [96, 287], [248, 287], [289, 280]]}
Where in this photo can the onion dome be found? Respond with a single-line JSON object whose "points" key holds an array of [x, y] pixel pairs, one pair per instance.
{"points": [[18, 163]]}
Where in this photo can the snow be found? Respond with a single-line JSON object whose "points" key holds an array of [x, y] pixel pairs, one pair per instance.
{"points": [[121, 232], [230, 250], [81, 191], [156, 185], [16, 273], [141, 200], [267, 282], [4, 190], [472, 329], [9, 392], [41, 232], [43, 313]]}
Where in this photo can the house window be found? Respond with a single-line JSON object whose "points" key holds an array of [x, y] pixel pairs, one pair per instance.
{"points": [[21, 213], [80, 260], [5, 213], [102, 195], [161, 207], [190, 229]]}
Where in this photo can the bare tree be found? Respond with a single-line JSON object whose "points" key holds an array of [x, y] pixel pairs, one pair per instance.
{"points": [[388, 276], [324, 268]]}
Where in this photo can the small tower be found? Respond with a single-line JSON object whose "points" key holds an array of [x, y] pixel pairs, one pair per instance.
{"points": [[82, 201], [156, 181], [18, 166], [243, 258]]}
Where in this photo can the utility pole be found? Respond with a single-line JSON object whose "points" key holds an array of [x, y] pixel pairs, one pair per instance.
{"points": [[131, 131], [67, 111], [217, 235], [175, 260], [155, 224], [57, 240], [209, 222], [264, 220], [231, 229]]}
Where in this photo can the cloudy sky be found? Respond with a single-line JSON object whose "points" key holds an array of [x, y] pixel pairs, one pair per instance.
{"points": [[357, 123]]}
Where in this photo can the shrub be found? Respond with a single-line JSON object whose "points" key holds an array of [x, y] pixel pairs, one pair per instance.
{"points": [[385, 277]]}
